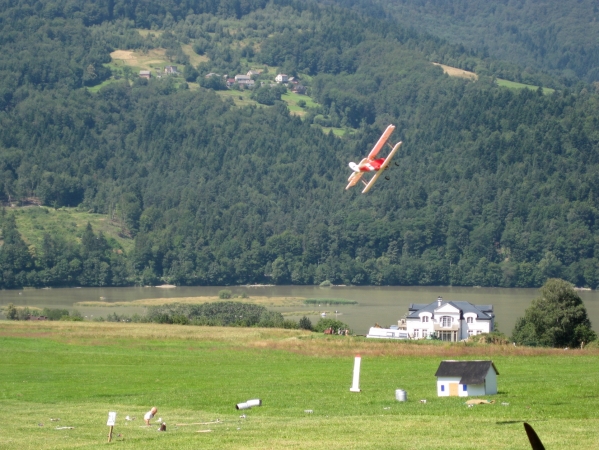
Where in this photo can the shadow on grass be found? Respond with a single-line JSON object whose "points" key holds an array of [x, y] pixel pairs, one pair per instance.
{"points": [[511, 422]]}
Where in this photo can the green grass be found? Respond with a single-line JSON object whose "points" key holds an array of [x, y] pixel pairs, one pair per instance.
{"points": [[336, 131], [240, 98], [79, 371], [35, 221], [291, 99], [329, 301], [96, 88], [514, 85]]}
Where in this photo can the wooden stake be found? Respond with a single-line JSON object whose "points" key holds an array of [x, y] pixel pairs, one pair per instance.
{"points": [[110, 434]]}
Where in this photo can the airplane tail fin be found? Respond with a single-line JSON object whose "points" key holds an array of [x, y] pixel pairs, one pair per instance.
{"points": [[353, 166]]}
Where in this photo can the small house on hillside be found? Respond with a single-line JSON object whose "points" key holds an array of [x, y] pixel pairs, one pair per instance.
{"points": [[281, 78], [466, 378], [145, 74], [171, 70], [242, 79]]}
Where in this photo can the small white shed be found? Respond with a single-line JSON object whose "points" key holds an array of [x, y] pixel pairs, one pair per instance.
{"points": [[466, 378]]}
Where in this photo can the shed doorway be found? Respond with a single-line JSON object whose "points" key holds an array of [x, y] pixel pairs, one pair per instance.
{"points": [[453, 389]]}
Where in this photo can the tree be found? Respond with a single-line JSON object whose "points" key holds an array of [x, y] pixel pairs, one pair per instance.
{"points": [[305, 323], [558, 318], [11, 312]]}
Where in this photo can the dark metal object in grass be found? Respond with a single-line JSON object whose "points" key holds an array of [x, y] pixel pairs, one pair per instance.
{"points": [[535, 442]]}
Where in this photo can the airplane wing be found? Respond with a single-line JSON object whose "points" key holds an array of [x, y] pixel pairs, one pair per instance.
{"points": [[381, 142], [382, 169], [355, 176], [353, 179]]}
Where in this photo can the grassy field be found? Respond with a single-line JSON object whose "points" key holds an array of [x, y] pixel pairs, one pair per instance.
{"points": [[35, 221], [458, 73], [514, 85], [291, 99], [78, 372], [265, 301]]}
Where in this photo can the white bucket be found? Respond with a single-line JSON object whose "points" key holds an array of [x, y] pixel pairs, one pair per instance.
{"points": [[401, 395]]}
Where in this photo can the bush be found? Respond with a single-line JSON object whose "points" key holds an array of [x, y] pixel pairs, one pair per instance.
{"points": [[224, 294], [214, 82], [11, 312], [290, 325], [214, 314], [54, 314], [333, 324], [558, 318], [494, 337], [305, 323], [326, 283], [23, 313], [592, 345], [271, 319]]}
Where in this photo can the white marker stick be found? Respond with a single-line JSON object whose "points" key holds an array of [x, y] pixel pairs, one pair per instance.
{"points": [[356, 382]]}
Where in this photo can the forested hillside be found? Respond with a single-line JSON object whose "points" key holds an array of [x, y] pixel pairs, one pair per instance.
{"points": [[552, 35], [492, 187]]}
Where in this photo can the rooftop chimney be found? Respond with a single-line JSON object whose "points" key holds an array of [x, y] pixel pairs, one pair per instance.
{"points": [[439, 301]]}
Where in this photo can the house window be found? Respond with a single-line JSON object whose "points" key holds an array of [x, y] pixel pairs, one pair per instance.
{"points": [[425, 318], [470, 333], [464, 387], [446, 321], [442, 388], [445, 336], [416, 334], [469, 320]]}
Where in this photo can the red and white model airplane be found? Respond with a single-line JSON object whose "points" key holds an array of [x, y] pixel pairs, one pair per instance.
{"points": [[370, 164]]}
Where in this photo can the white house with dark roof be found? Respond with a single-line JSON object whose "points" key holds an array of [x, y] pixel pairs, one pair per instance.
{"points": [[466, 378], [449, 321], [242, 79]]}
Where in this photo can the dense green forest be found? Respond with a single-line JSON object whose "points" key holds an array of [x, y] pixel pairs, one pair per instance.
{"points": [[493, 187], [550, 35]]}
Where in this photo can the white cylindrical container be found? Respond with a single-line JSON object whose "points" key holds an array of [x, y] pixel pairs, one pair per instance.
{"points": [[401, 395], [242, 406], [356, 380], [254, 402]]}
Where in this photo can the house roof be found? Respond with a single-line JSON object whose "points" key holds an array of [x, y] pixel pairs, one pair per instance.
{"points": [[483, 312], [471, 372]]}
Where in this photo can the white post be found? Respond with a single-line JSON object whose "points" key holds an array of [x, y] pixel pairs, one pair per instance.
{"points": [[356, 382]]}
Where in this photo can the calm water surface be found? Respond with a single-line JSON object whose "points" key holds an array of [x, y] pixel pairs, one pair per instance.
{"points": [[383, 305]]}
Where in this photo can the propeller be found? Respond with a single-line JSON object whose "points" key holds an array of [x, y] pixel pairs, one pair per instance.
{"points": [[535, 442]]}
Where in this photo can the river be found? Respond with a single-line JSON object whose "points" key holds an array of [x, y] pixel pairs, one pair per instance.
{"points": [[383, 305]]}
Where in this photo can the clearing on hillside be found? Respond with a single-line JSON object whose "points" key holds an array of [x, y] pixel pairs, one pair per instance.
{"points": [[459, 73], [153, 58]]}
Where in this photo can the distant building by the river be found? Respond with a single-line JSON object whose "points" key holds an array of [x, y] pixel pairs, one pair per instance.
{"points": [[448, 320]]}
